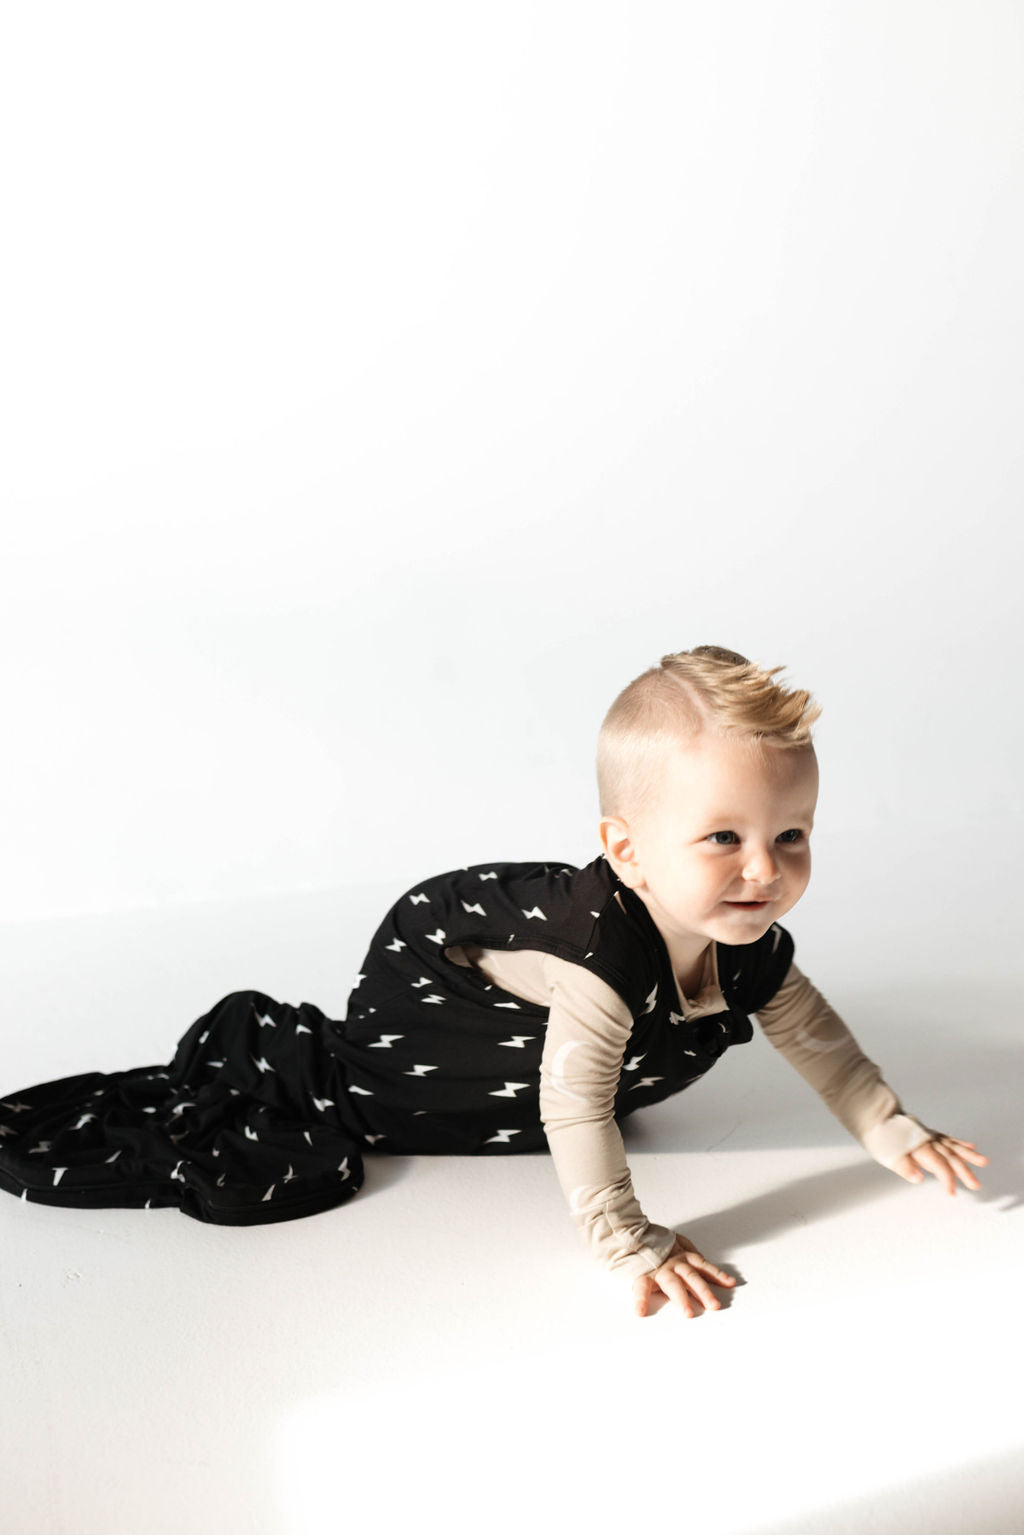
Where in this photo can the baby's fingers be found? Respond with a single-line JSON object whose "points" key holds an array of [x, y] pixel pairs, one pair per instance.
{"points": [[938, 1158], [719, 1276], [963, 1172], [965, 1149], [642, 1288], [674, 1287]]}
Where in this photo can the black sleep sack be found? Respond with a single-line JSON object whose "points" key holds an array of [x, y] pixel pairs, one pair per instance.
{"points": [[266, 1109]]}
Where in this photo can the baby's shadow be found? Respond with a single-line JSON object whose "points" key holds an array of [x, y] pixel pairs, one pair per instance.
{"points": [[799, 1202]]}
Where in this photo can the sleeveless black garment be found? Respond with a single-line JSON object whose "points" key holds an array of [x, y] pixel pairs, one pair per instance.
{"points": [[266, 1108]]}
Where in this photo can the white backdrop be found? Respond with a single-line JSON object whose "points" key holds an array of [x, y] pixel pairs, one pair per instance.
{"points": [[385, 386]]}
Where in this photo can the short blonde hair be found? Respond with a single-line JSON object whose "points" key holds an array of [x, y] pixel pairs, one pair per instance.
{"points": [[691, 692]]}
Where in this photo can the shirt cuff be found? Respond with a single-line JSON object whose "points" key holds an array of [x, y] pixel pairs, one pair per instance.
{"points": [[658, 1242], [895, 1137]]}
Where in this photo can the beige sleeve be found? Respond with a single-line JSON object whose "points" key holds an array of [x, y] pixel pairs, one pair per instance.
{"points": [[588, 1028], [587, 1031], [805, 1029]]}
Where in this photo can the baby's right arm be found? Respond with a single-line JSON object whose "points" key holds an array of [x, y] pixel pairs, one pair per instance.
{"points": [[588, 1028]]}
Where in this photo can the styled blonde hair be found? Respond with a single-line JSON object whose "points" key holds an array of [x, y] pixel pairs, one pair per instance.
{"points": [[708, 689]]}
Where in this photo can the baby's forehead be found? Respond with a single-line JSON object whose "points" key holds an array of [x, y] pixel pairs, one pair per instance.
{"points": [[716, 772]]}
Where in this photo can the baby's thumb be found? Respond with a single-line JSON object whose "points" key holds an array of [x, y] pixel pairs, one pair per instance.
{"points": [[908, 1169]]}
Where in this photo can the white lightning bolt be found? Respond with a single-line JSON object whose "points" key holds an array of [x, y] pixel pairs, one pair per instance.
{"points": [[509, 1090], [502, 1137], [517, 1041]]}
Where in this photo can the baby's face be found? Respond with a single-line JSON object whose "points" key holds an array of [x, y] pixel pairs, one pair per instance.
{"points": [[725, 850]]}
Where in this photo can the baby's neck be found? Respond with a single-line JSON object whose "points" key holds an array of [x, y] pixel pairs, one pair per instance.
{"points": [[691, 969], [691, 978]]}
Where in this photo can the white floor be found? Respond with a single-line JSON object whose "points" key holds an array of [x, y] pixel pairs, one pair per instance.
{"points": [[441, 1351]]}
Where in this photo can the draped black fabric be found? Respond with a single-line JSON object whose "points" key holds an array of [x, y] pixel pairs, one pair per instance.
{"points": [[241, 1128], [266, 1108]]}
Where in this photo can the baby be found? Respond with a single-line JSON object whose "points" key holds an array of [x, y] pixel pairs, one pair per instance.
{"points": [[512, 1007]]}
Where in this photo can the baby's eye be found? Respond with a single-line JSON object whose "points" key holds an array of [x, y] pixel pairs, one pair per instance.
{"points": [[722, 834], [794, 834]]}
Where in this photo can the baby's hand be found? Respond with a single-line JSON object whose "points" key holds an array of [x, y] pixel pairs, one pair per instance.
{"points": [[942, 1156], [683, 1267]]}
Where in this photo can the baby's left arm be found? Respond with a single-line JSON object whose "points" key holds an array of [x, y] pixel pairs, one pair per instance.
{"points": [[810, 1034]]}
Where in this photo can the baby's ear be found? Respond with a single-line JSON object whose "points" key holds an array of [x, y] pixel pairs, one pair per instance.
{"points": [[620, 850]]}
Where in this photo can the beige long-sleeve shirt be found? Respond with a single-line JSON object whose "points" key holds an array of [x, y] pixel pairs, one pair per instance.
{"points": [[588, 1028]]}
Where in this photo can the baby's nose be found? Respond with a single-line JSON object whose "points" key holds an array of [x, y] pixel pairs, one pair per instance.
{"points": [[761, 868]]}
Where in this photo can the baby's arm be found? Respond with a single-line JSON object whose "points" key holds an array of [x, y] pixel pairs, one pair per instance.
{"points": [[588, 1029], [812, 1037]]}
